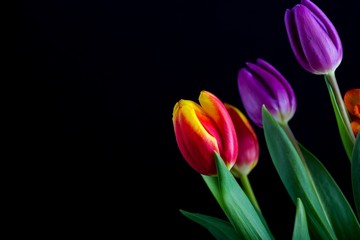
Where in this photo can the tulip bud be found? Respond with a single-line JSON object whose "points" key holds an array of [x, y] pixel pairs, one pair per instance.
{"points": [[201, 130], [352, 103], [248, 145], [261, 84], [313, 38]]}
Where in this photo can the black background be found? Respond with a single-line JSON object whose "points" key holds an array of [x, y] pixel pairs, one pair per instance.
{"points": [[104, 76]]}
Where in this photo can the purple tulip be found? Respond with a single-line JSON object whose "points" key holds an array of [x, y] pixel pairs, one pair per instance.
{"points": [[261, 84], [313, 38]]}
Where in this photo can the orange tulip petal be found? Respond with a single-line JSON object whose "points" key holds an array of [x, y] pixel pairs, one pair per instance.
{"points": [[352, 101], [355, 125]]}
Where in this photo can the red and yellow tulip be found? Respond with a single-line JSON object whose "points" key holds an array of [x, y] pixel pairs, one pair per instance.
{"points": [[202, 129]]}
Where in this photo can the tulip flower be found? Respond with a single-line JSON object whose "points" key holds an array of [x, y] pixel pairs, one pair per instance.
{"points": [[313, 38], [248, 145], [261, 84], [352, 103], [201, 130], [218, 141]]}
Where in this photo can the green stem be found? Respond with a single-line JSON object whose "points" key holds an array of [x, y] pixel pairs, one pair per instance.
{"points": [[331, 79], [249, 191]]}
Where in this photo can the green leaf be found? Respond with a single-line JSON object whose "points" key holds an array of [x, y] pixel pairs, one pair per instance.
{"points": [[213, 184], [295, 176], [344, 134], [220, 229], [337, 208], [301, 231], [355, 174], [238, 208]]}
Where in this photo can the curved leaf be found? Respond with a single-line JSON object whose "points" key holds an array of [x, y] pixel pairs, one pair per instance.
{"points": [[295, 176], [238, 208], [355, 174], [213, 184], [301, 231], [337, 208], [219, 228]]}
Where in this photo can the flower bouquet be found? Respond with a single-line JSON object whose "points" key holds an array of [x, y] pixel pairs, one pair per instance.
{"points": [[217, 140]]}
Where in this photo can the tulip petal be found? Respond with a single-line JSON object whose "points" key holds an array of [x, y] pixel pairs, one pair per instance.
{"points": [[248, 151], [254, 93], [194, 141], [355, 126], [331, 30], [217, 111], [352, 101], [315, 41], [284, 93], [293, 36]]}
